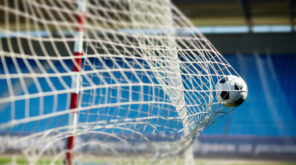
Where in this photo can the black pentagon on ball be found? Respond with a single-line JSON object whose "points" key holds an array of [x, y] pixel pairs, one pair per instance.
{"points": [[239, 102], [237, 87], [224, 95], [223, 80]]}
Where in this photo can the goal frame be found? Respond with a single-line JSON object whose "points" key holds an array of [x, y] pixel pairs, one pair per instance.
{"points": [[78, 52]]}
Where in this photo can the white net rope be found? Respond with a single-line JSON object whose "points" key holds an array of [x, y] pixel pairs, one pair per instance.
{"points": [[146, 86]]}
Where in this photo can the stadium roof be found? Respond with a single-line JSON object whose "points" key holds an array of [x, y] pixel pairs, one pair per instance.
{"points": [[239, 12]]}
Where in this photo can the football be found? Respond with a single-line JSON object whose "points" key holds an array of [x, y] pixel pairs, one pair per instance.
{"points": [[231, 91]]}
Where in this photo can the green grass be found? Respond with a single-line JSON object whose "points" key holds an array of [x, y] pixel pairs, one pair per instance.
{"points": [[6, 160], [23, 161], [44, 161]]}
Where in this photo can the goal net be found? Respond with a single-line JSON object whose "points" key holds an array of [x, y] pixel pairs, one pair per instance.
{"points": [[104, 81]]}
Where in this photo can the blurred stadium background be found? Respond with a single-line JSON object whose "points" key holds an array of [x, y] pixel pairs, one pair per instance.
{"points": [[258, 38]]}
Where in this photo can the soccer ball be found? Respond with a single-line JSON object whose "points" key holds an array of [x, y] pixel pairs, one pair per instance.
{"points": [[231, 91]]}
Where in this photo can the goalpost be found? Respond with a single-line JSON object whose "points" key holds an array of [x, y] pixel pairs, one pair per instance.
{"points": [[78, 51], [113, 81]]}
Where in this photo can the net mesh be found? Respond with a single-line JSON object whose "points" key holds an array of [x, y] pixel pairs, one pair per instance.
{"points": [[146, 83]]}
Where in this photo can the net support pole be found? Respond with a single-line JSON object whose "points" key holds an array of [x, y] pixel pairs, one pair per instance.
{"points": [[78, 52]]}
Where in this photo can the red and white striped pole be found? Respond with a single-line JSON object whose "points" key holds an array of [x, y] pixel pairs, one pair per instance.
{"points": [[78, 48]]}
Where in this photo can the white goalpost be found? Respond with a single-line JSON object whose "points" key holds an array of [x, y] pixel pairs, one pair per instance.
{"points": [[104, 81]]}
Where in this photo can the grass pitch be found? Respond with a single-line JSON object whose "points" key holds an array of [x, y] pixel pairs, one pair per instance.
{"points": [[6, 160]]}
